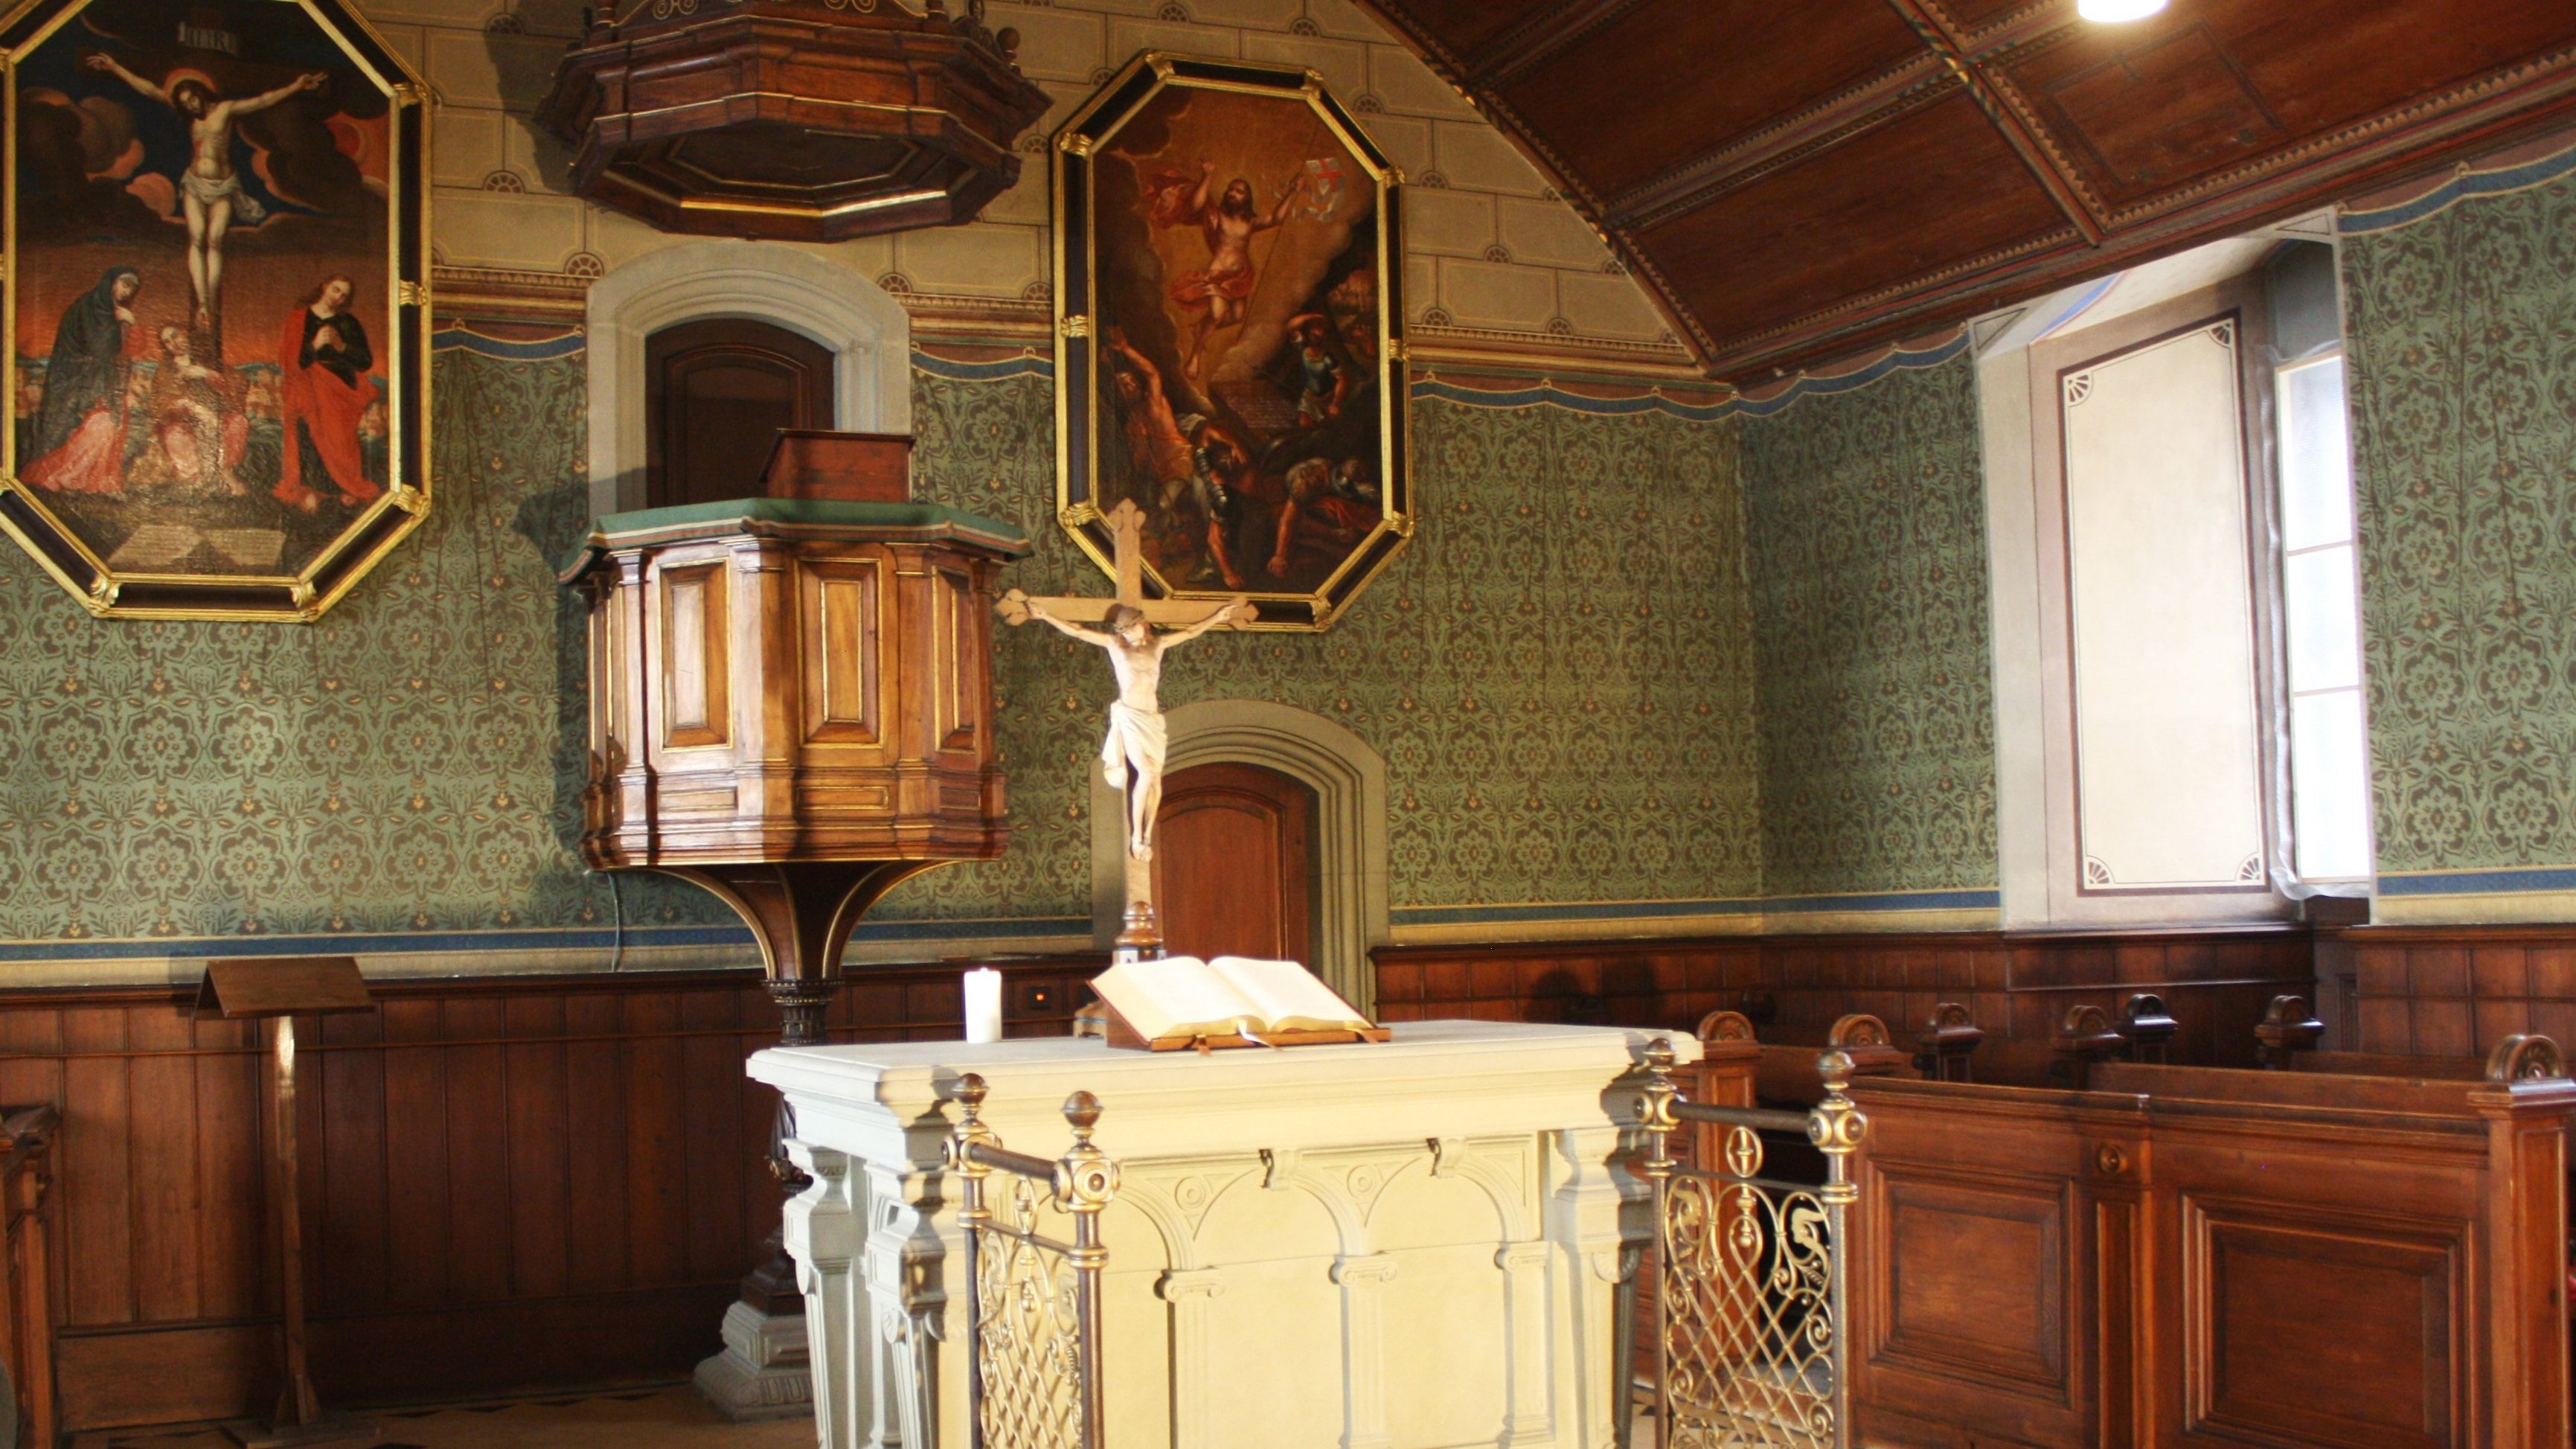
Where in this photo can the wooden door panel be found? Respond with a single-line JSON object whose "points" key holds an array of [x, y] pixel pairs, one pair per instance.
{"points": [[716, 394], [1233, 863]]}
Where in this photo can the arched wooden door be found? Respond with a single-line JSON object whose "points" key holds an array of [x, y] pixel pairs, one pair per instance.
{"points": [[716, 394], [1234, 864]]}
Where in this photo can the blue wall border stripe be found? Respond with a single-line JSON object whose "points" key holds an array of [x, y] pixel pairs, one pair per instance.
{"points": [[1544, 395], [1567, 911], [466, 339], [1896, 360], [994, 371], [2458, 189], [588, 938], [2503, 881]]}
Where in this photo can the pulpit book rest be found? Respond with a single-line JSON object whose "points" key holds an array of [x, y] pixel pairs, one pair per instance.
{"points": [[1033, 1302]]}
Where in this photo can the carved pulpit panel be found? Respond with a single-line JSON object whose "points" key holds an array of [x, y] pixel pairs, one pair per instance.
{"points": [[780, 680]]}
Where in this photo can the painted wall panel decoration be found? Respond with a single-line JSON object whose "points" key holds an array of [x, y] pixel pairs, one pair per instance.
{"points": [[216, 303], [1229, 334], [2168, 748]]}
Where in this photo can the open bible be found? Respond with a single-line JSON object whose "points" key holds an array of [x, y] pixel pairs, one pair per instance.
{"points": [[1232, 1001]]}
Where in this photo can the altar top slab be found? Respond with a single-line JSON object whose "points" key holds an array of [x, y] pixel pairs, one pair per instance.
{"points": [[1434, 1079]]}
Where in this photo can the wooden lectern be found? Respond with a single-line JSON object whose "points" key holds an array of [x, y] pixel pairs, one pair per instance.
{"points": [[280, 989]]}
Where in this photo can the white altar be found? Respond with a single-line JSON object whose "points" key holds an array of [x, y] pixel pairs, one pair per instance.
{"points": [[1391, 1246]]}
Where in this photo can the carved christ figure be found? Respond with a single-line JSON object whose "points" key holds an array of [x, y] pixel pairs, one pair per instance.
{"points": [[1131, 758]]}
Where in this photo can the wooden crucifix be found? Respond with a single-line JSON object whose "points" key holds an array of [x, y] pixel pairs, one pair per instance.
{"points": [[1132, 755]]}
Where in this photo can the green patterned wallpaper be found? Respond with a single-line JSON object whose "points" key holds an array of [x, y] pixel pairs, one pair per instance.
{"points": [[1558, 672], [2461, 331], [400, 766], [1867, 554]]}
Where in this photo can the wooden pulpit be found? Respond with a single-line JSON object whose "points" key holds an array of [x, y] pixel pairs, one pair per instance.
{"points": [[791, 704], [279, 989]]}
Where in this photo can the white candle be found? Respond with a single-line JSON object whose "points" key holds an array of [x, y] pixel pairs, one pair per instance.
{"points": [[983, 1005]]}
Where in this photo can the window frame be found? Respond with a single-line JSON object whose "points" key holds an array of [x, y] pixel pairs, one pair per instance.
{"points": [[2068, 902], [2292, 881]]}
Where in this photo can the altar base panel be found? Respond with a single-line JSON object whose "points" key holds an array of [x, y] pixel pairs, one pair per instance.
{"points": [[1385, 1246]]}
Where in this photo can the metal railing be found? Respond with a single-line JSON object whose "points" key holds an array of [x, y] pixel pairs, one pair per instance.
{"points": [[1033, 1301], [1750, 1325]]}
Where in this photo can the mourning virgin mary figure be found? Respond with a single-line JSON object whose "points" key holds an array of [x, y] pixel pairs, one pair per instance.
{"points": [[79, 442], [322, 395]]}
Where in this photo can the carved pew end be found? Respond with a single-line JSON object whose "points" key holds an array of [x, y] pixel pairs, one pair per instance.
{"points": [[2287, 1029], [2084, 1037], [1947, 1041]]}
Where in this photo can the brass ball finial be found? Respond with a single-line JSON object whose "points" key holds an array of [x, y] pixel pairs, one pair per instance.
{"points": [[1082, 1110]]}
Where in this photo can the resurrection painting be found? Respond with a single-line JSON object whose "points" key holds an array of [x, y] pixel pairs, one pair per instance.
{"points": [[215, 302], [1226, 267]]}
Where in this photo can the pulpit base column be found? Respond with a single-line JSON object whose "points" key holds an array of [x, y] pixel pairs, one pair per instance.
{"points": [[764, 1372], [803, 913]]}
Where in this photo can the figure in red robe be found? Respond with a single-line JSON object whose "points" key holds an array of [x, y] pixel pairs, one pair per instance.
{"points": [[324, 392]]}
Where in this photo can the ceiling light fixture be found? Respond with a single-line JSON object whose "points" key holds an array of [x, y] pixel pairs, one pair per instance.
{"points": [[2112, 12]]}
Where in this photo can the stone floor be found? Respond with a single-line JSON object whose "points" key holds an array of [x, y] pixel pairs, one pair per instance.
{"points": [[645, 1418]]}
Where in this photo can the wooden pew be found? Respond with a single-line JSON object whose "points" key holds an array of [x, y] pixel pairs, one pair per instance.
{"points": [[1787, 1073], [2213, 1255]]}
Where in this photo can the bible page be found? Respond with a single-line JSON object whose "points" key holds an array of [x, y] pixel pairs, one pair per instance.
{"points": [[1175, 996], [1288, 996]]}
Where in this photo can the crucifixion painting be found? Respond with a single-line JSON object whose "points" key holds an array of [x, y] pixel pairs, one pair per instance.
{"points": [[1132, 753], [221, 234]]}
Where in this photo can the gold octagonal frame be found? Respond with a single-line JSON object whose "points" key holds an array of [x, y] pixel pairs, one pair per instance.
{"points": [[1362, 362], [35, 39]]}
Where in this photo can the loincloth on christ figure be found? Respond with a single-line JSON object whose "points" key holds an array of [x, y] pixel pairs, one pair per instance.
{"points": [[210, 189], [1134, 734]]}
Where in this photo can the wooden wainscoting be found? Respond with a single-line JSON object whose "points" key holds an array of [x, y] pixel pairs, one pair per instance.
{"points": [[508, 1182], [2454, 991], [2018, 987]]}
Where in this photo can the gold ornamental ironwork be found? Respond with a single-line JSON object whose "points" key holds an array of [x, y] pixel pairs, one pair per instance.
{"points": [[1750, 1325], [1034, 1260]]}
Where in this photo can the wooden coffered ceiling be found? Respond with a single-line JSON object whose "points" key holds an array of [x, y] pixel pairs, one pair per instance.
{"points": [[1795, 179]]}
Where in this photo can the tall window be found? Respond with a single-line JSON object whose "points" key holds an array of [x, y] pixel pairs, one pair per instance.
{"points": [[2321, 624], [2181, 729]]}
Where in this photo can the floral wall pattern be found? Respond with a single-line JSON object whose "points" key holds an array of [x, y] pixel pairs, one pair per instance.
{"points": [[399, 766], [1867, 555], [1559, 674], [2461, 332]]}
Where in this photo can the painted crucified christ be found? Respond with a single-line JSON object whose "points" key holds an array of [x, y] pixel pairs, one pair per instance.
{"points": [[210, 191]]}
